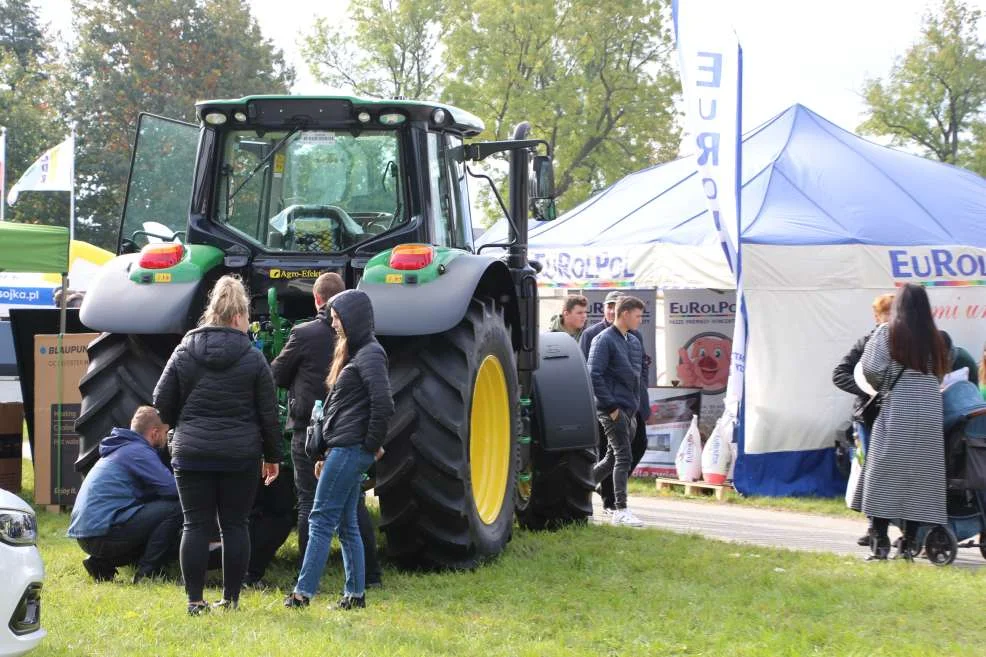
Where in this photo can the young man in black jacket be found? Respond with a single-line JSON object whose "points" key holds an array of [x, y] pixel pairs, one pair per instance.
{"points": [[615, 365], [301, 367], [638, 441]]}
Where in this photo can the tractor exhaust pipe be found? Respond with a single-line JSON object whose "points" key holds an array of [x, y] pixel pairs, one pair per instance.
{"points": [[520, 192]]}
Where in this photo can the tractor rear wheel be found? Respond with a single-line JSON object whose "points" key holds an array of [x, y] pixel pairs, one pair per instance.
{"points": [[123, 370], [446, 482], [561, 489]]}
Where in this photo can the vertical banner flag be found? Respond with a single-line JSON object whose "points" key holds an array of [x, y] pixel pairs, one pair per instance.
{"points": [[711, 62], [52, 172]]}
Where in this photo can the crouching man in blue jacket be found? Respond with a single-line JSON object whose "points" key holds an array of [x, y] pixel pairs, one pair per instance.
{"points": [[127, 511]]}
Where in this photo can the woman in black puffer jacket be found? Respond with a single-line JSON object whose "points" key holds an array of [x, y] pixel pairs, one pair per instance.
{"points": [[354, 425], [218, 392]]}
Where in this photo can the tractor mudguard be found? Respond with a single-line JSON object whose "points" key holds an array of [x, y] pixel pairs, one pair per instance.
{"points": [[402, 309], [157, 302], [564, 406]]}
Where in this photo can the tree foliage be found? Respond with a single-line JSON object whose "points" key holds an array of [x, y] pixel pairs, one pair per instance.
{"points": [[593, 79], [934, 95], [388, 49], [157, 56], [29, 108]]}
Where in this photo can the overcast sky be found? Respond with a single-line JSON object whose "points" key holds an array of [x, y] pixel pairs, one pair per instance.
{"points": [[795, 51]]}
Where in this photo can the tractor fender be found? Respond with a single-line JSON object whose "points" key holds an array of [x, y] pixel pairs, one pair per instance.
{"points": [[116, 304], [439, 305], [564, 406]]}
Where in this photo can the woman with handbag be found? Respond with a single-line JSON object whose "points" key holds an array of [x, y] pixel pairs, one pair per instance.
{"points": [[218, 392], [904, 474], [345, 442]]}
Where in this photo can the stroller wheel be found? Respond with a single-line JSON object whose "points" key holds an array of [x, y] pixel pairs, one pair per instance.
{"points": [[941, 546]]}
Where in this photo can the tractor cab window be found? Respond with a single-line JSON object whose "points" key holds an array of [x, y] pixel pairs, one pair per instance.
{"points": [[310, 191], [446, 175]]}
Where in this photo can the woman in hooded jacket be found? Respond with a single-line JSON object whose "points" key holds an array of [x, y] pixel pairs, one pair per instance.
{"points": [[354, 426], [218, 392]]}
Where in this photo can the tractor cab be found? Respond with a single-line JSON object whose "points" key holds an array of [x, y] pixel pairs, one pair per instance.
{"points": [[297, 186]]}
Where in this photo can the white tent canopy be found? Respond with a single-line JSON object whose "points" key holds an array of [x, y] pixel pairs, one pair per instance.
{"points": [[829, 220]]}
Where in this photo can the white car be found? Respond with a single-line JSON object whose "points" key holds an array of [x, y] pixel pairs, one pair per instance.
{"points": [[21, 572]]}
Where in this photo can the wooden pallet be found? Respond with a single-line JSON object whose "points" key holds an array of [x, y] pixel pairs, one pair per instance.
{"points": [[696, 487]]}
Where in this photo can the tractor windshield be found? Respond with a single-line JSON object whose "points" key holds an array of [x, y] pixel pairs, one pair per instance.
{"points": [[310, 191]]}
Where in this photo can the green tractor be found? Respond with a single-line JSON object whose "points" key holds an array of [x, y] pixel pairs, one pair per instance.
{"points": [[492, 418]]}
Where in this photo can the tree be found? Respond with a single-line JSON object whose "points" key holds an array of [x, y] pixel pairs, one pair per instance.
{"points": [[594, 79], [29, 99], [934, 95], [158, 56], [390, 48]]}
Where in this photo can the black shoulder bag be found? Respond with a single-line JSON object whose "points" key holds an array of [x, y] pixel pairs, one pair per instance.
{"points": [[315, 435], [872, 408]]}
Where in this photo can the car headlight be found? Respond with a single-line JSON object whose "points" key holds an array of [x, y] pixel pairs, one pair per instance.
{"points": [[18, 527]]}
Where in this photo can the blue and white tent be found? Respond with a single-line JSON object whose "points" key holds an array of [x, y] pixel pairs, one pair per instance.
{"points": [[829, 220]]}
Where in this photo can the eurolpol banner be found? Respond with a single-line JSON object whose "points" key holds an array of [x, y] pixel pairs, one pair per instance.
{"points": [[698, 338], [711, 68]]}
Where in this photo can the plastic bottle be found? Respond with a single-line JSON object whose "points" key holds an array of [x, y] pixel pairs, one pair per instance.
{"points": [[317, 410]]}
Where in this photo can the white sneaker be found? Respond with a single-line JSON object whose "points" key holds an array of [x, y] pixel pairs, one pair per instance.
{"points": [[623, 518], [607, 514]]}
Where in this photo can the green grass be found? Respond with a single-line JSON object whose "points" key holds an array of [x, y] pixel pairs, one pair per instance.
{"points": [[594, 591], [825, 506]]}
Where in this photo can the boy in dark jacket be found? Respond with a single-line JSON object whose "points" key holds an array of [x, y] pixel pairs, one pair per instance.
{"points": [[127, 510], [615, 365], [638, 441]]}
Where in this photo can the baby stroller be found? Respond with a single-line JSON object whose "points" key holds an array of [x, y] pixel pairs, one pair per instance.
{"points": [[965, 472]]}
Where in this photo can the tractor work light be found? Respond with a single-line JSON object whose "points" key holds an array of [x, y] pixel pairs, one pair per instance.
{"points": [[215, 118], [438, 116], [363, 117], [240, 117], [408, 257], [161, 256], [392, 118]]}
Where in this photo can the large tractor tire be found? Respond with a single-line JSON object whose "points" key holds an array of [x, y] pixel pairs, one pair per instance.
{"points": [[123, 370], [561, 490], [446, 483]]}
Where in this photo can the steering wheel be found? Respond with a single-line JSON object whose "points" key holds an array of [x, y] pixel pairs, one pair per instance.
{"points": [[383, 222]]}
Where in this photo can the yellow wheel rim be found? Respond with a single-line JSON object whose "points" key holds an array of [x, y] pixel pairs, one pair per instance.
{"points": [[489, 439]]}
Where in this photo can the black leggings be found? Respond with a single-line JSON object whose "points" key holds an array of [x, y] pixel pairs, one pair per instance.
{"points": [[206, 496]]}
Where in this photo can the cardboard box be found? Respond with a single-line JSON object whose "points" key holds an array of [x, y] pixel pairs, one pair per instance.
{"points": [[11, 446], [55, 478]]}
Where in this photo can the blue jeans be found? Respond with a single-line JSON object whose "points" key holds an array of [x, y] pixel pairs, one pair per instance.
{"points": [[336, 497]]}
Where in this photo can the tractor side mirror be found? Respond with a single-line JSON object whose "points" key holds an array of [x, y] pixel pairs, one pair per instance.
{"points": [[544, 177]]}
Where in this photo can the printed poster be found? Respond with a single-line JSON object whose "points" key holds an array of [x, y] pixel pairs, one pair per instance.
{"points": [[698, 341], [671, 415]]}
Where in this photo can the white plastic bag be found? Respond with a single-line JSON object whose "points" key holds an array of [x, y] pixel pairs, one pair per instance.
{"points": [[716, 455], [688, 460], [855, 474]]}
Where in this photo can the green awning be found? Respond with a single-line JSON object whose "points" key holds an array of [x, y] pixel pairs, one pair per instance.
{"points": [[30, 248]]}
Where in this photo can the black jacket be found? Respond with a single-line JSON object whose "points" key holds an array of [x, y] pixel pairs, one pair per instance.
{"points": [[360, 405], [615, 365], [218, 393], [303, 364], [842, 377], [585, 343]]}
